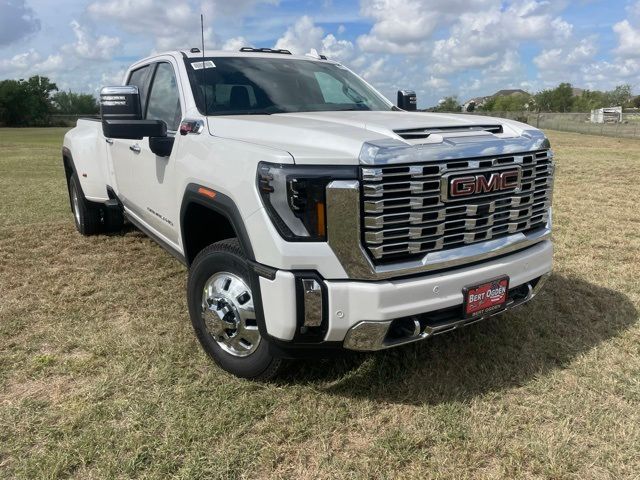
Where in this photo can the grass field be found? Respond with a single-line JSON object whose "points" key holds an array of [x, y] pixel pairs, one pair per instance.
{"points": [[102, 377]]}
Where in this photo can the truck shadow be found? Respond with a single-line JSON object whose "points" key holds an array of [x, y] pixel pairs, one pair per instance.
{"points": [[568, 318]]}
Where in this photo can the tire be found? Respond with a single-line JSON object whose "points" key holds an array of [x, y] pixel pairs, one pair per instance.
{"points": [[86, 215], [219, 278]]}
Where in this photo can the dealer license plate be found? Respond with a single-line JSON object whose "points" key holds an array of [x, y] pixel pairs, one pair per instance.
{"points": [[486, 298]]}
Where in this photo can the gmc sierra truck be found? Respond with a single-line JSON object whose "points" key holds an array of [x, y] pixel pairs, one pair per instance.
{"points": [[313, 214]]}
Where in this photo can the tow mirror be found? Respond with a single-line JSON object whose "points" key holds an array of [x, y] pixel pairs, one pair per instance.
{"points": [[121, 115], [407, 100]]}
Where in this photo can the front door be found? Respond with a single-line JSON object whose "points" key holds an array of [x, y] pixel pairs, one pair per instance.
{"points": [[148, 189]]}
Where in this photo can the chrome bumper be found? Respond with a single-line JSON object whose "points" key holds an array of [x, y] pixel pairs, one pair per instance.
{"points": [[373, 336]]}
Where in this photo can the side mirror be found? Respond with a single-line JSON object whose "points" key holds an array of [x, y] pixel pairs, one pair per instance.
{"points": [[121, 115], [407, 100]]}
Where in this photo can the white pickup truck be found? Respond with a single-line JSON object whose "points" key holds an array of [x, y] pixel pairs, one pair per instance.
{"points": [[312, 213]]}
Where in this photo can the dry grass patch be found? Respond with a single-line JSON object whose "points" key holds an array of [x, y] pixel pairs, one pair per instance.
{"points": [[101, 376]]}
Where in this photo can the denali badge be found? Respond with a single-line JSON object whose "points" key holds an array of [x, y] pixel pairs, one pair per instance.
{"points": [[474, 183]]}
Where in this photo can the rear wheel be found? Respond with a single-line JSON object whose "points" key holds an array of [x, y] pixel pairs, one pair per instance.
{"points": [[223, 315], [86, 215]]}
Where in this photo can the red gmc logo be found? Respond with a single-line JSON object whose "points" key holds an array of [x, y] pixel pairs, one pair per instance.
{"points": [[484, 183]]}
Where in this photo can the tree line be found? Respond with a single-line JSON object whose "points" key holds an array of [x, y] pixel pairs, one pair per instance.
{"points": [[559, 99], [32, 102]]}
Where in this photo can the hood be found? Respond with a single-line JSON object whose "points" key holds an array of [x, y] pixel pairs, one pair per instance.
{"points": [[337, 137]]}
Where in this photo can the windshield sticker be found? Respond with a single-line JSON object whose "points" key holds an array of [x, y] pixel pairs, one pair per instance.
{"points": [[207, 64]]}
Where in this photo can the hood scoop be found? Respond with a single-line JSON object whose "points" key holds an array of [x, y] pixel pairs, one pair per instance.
{"points": [[422, 133]]}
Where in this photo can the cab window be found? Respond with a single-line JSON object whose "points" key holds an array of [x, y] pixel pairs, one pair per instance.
{"points": [[139, 79], [164, 97]]}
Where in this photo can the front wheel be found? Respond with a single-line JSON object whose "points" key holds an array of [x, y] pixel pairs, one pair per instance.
{"points": [[222, 312]]}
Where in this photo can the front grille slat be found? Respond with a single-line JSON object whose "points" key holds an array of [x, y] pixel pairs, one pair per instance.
{"points": [[405, 216]]}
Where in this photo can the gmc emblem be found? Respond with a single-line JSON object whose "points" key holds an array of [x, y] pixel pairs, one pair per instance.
{"points": [[479, 183]]}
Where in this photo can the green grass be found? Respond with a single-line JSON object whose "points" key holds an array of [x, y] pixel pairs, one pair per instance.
{"points": [[101, 375]]}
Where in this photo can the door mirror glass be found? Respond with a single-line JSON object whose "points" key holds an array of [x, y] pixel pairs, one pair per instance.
{"points": [[407, 100]]}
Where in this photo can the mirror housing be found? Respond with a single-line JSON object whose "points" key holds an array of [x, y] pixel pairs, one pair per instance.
{"points": [[120, 103], [407, 100], [161, 146], [134, 129]]}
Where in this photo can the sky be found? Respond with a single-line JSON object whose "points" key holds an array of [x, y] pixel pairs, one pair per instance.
{"points": [[438, 48]]}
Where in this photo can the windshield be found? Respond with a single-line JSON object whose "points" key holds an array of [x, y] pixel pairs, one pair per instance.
{"points": [[240, 85]]}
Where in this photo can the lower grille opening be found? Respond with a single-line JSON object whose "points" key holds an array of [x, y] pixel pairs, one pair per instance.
{"points": [[443, 320]]}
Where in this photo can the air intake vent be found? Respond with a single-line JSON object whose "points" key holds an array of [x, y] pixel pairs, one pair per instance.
{"points": [[421, 133]]}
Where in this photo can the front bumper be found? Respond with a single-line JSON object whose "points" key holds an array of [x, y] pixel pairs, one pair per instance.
{"points": [[361, 315]]}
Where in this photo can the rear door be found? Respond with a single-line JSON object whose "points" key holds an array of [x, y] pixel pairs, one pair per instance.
{"points": [[149, 189]]}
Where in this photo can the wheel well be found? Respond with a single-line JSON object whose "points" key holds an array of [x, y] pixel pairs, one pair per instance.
{"points": [[68, 167], [202, 226], [68, 171]]}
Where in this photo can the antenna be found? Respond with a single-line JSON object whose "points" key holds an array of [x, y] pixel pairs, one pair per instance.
{"points": [[204, 75]]}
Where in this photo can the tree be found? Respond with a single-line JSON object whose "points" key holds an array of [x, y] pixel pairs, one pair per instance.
{"points": [[636, 102], [26, 102], [559, 99], [619, 96], [512, 103], [562, 97], [589, 100], [489, 105], [70, 103], [448, 104]]}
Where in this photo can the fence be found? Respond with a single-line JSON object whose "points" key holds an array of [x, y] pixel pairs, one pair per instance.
{"points": [[629, 127]]}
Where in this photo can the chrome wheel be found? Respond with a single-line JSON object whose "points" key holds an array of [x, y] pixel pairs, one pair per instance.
{"points": [[76, 204], [228, 314]]}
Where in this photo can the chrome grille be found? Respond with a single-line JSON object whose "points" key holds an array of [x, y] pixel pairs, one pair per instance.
{"points": [[404, 215]]}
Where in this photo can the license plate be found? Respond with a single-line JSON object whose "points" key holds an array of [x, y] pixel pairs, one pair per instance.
{"points": [[486, 298]]}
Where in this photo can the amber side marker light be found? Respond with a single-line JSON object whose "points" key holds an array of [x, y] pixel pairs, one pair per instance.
{"points": [[322, 227], [207, 192]]}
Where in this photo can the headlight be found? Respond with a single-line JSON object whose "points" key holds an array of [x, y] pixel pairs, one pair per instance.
{"points": [[294, 197]]}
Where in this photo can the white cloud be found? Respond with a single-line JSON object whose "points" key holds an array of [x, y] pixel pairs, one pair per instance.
{"points": [[565, 59], [402, 26], [628, 39], [301, 37], [304, 35], [235, 44], [170, 24], [338, 50], [89, 47], [31, 63], [436, 83]]}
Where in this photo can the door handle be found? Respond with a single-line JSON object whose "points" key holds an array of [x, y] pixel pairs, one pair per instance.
{"points": [[109, 141], [135, 148]]}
